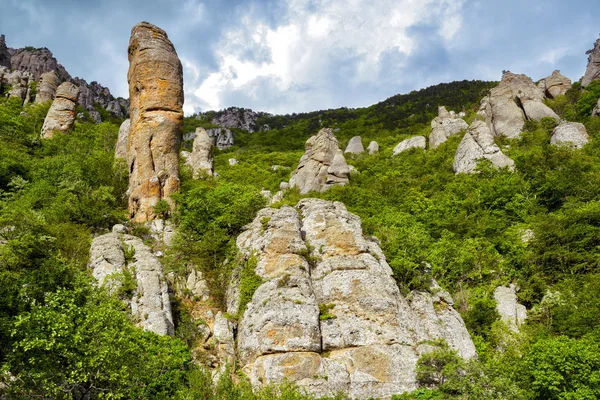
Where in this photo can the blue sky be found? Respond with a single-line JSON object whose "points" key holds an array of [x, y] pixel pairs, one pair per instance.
{"points": [[300, 55]]}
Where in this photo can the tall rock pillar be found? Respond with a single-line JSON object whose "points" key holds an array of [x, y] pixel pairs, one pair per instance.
{"points": [[156, 93]]}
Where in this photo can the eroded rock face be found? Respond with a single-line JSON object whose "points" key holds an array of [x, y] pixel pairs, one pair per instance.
{"points": [[4, 53], [373, 147], [414, 142], [222, 138], [555, 84], [149, 301], [329, 315], [241, 118], [37, 62], [515, 99], [573, 134], [156, 94], [201, 158], [355, 146], [446, 124], [17, 84], [322, 166], [511, 312], [47, 87], [477, 144], [592, 71], [61, 115], [122, 140]]}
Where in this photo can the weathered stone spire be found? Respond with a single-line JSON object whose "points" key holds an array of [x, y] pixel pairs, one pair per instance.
{"points": [[156, 92]]}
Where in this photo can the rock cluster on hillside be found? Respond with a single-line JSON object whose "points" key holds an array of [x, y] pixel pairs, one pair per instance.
{"points": [[477, 144], [322, 166], [515, 99], [592, 71], [329, 316], [118, 260], [240, 118], [555, 84], [446, 124], [61, 115], [156, 92]]}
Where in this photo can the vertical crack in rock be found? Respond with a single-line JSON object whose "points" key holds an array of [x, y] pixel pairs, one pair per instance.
{"points": [[329, 315], [156, 91]]}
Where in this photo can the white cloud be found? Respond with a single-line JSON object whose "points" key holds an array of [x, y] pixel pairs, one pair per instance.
{"points": [[316, 39]]}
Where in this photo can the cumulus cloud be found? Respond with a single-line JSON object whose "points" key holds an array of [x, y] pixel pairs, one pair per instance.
{"points": [[315, 43]]}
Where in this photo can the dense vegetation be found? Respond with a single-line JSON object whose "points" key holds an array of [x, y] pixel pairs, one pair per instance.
{"points": [[61, 337]]}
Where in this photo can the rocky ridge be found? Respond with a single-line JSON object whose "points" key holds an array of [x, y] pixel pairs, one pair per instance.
{"points": [[592, 71], [329, 315]]}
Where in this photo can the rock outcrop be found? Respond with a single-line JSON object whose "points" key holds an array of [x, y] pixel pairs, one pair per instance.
{"points": [[4, 53], [596, 110], [201, 158], [443, 126], [592, 72], [514, 100], [329, 316], [122, 140], [511, 312], [222, 138], [47, 86], [116, 256], [573, 134], [16, 84], [61, 115], [240, 118], [555, 84], [418, 142], [93, 94], [37, 62], [355, 146], [373, 147], [477, 144], [322, 166], [156, 92]]}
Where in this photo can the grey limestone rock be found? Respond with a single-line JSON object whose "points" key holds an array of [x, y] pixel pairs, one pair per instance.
{"points": [[122, 140], [596, 110], [555, 84], [477, 144], [373, 147], [592, 71], [223, 138], [201, 158], [573, 134], [150, 305], [355, 146], [47, 86], [414, 142], [323, 164], [233, 161], [61, 116], [234, 117], [511, 312], [329, 316], [4, 53], [443, 126]]}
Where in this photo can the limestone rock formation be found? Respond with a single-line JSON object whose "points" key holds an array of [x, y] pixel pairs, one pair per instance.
{"points": [[4, 53], [477, 144], [156, 93], [592, 71], [17, 84], [355, 146], [201, 159], [414, 142], [93, 94], [37, 62], [223, 138], [149, 301], [329, 316], [240, 118], [373, 147], [596, 110], [573, 134], [515, 99], [443, 126], [61, 115], [122, 140], [555, 84], [323, 164], [47, 87], [511, 312]]}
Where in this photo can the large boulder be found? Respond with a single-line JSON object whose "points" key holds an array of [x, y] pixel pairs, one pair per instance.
{"points": [[322, 166], [201, 159], [511, 312], [555, 84], [477, 144], [572, 134], [122, 140], [418, 142], [592, 71], [61, 116], [125, 265], [511, 103], [373, 147], [47, 87], [443, 126], [156, 93], [355, 146], [329, 316]]}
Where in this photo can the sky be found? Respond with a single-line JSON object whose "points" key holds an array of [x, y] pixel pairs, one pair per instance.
{"points": [[286, 56]]}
